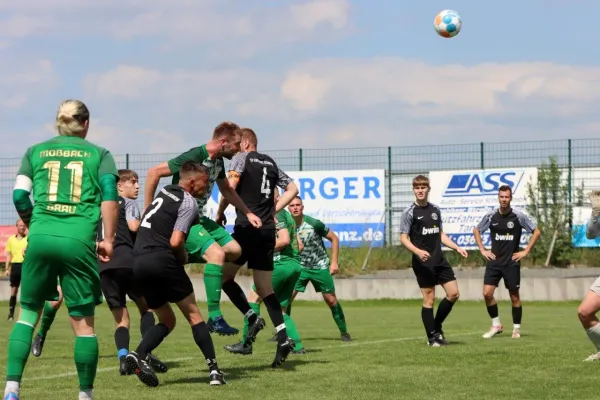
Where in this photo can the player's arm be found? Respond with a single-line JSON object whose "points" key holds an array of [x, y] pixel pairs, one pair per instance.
{"points": [[109, 206], [483, 226], [290, 190], [153, 176], [132, 215], [8, 253], [227, 188], [185, 217], [283, 239], [529, 226], [22, 190]]}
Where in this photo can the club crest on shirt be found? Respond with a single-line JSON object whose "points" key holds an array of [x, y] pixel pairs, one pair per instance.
{"points": [[510, 224], [434, 216]]}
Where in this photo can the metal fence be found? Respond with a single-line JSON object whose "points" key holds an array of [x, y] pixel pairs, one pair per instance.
{"points": [[579, 159]]}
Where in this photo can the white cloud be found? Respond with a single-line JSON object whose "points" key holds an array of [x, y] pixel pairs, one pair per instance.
{"points": [[24, 80]]}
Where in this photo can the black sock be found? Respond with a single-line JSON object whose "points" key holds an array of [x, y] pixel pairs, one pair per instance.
{"points": [[146, 322], [204, 341], [238, 298], [11, 306], [443, 310], [517, 314], [152, 339], [493, 311], [274, 309], [122, 341], [428, 321]]}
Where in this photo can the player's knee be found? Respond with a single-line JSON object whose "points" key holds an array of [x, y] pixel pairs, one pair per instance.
{"points": [[453, 296], [233, 251], [330, 299], [214, 255], [488, 296]]}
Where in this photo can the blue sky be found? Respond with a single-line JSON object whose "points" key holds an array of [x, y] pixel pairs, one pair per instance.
{"points": [[158, 76]]}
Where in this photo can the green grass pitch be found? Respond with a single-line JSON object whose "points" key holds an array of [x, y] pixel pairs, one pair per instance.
{"points": [[388, 358]]}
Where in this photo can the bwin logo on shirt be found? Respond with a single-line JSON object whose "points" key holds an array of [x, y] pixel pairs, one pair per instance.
{"points": [[481, 183], [431, 231], [505, 238]]}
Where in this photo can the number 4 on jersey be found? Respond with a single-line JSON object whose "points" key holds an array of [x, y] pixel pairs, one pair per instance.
{"points": [[265, 188]]}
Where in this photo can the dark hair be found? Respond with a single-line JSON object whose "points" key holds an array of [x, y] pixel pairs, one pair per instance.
{"points": [[127, 175], [505, 188], [193, 167], [225, 129]]}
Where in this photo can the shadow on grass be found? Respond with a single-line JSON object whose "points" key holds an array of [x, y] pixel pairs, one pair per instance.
{"points": [[235, 373]]}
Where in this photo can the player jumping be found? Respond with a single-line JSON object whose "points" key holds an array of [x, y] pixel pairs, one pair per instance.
{"points": [[504, 259], [72, 181], [422, 233], [286, 271], [254, 176], [316, 265], [210, 241], [159, 270]]}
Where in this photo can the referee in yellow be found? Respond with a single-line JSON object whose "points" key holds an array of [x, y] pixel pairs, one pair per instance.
{"points": [[15, 253]]}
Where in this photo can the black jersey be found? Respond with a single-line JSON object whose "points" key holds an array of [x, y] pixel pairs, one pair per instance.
{"points": [[172, 209], [124, 238], [423, 225], [259, 175], [505, 234]]}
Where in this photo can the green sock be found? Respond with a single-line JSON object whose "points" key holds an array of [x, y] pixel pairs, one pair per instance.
{"points": [[86, 360], [338, 316], [288, 309], [292, 331], [47, 319], [19, 346], [256, 308], [213, 276]]}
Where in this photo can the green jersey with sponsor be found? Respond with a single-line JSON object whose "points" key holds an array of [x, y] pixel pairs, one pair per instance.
{"points": [[65, 172], [216, 169], [311, 232], [291, 252]]}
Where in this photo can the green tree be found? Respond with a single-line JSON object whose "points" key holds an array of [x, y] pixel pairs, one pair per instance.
{"points": [[549, 205]]}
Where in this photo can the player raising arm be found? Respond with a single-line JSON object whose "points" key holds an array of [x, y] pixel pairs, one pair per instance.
{"points": [[590, 304], [209, 241], [422, 234], [504, 259], [72, 181]]}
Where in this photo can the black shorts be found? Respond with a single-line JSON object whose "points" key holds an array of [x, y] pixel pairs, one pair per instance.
{"points": [[161, 279], [15, 275], [510, 273], [429, 277], [258, 246], [117, 283]]}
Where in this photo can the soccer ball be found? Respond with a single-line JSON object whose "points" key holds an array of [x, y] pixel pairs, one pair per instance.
{"points": [[447, 23]]}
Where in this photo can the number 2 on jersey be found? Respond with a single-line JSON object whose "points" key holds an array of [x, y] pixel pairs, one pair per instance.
{"points": [[265, 187], [158, 202], [53, 168]]}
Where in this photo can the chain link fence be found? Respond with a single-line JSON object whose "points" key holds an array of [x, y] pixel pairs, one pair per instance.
{"points": [[578, 159]]}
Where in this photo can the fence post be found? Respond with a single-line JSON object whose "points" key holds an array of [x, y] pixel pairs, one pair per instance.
{"points": [[481, 156], [300, 159], [570, 186], [389, 196], [127, 161]]}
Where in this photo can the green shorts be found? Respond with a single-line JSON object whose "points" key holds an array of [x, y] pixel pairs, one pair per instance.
{"points": [[285, 276], [73, 262], [320, 278], [201, 236]]}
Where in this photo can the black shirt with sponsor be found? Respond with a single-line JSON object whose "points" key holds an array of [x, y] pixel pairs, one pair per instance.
{"points": [[259, 175], [505, 234], [172, 209], [423, 225], [124, 238]]}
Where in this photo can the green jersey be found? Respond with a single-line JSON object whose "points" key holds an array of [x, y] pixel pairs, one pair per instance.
{"points": [[311, 232], [291, 251], [216, 168], [65, 172]]}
